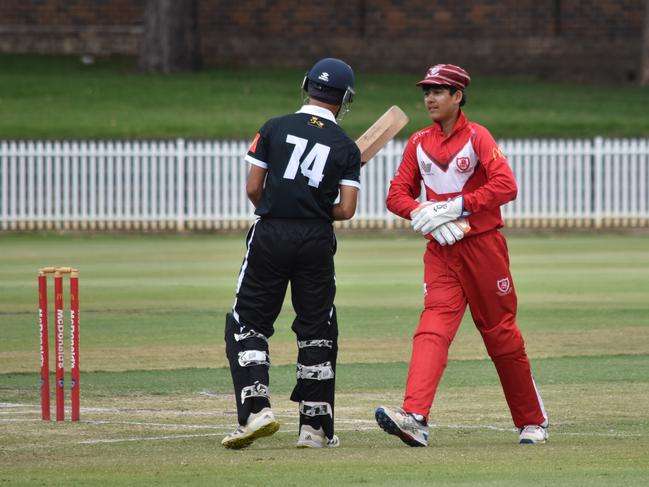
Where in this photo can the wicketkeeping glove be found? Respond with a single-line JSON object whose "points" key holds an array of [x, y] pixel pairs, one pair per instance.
{"points": [[426, 217], [451, 232]]}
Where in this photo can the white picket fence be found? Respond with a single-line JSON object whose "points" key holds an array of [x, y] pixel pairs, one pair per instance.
{"points": [[201, 185]]}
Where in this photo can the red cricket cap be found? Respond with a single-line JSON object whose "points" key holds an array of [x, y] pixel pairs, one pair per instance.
{"points": [[446, 74]]}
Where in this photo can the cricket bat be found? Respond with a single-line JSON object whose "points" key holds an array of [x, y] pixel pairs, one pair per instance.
{"points": [[381, 132]]}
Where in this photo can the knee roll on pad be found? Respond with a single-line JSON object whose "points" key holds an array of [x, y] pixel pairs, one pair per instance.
{"points": [[250, 358], [315, 343], [316, 362], [245, 346]]}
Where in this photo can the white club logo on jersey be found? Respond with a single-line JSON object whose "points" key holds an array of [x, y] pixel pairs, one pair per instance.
{"points": [[324, 76], [504, 286]]}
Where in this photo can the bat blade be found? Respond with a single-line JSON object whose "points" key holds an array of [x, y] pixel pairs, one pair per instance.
{"points": [[381, 132]]}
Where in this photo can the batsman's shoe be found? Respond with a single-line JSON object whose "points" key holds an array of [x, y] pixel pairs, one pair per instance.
{"points": [[259, 425], [406, 426], [532, 435], [315, 438]]}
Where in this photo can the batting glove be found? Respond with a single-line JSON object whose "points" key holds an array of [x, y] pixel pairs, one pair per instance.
{"points": [[451, 232], [428, 217]]}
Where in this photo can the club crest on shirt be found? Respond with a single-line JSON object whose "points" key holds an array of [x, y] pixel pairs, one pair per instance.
{"points": [[504, 286], [316, 122], [463, 164]]}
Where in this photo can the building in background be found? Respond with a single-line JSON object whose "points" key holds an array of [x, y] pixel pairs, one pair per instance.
{"points": [[598, 40]]}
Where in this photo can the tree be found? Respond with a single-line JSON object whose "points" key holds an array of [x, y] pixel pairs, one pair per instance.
{"points": [[644, 63], [171, 38]]}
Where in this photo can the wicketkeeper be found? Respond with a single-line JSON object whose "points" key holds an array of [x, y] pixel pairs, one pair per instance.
{"points": [[466, 179]]}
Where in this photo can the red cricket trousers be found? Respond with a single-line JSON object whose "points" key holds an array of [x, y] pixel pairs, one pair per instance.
{"points": [[474, 271]]}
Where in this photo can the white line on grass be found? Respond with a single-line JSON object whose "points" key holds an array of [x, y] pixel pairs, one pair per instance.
{"points": [[169, 412], [348, 421], [144, 438], [157, 425], [20, 411], [357, 424], [606, 435], [291, 430], [20, 420], [180, 437], [288, 416], [471, 427], [294, 431]]}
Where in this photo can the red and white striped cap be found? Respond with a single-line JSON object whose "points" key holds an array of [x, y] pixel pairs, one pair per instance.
{"points": [[446, 74]]}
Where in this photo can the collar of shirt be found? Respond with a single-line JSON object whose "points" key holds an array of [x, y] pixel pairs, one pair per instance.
{"points": [[459, 125], [318, 112]]}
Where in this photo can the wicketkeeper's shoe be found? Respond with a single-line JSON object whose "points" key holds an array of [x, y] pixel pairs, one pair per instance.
{"points": [[259, 425], [411, 430], [315, 438], [532, 435]]}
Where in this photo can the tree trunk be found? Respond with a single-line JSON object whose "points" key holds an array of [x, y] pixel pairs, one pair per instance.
{"points": [[171, 38], [644, 62]]}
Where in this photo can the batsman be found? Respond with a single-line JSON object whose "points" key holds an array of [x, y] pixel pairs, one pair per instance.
{"points": [[466, 179], [300, 164]]}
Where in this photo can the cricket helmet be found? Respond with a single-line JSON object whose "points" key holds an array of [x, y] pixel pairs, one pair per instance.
{"points": [[330, 80]]}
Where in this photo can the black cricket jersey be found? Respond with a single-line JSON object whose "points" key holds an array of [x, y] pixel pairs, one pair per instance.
{"points": [[307, 156]]}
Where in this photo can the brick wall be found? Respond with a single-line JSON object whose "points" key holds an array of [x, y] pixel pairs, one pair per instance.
{"points": [[71, 26], [569, 39]]}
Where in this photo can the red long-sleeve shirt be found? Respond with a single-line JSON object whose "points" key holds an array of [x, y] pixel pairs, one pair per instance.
{"points": [[467, 161]]}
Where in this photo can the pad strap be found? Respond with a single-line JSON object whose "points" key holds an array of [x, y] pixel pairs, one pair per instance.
{"points": [[312, 409], [249, 334], [249, 358], [315, 343], [255, 390], [322, 371]]}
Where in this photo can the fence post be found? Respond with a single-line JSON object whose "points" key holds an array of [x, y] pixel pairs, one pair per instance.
{"points": [[598, 190], [180, 185], [4, 181]]}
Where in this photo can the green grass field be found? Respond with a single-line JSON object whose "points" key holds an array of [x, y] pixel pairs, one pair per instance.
{"points": [[156, 393], [58, 97]]}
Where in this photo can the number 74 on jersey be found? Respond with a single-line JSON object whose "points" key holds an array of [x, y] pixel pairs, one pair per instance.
{"points": [[370, 143]]}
